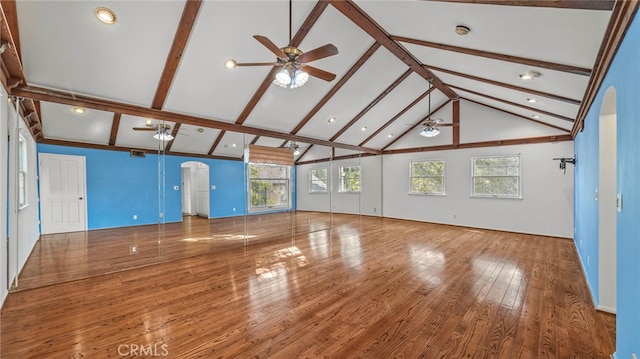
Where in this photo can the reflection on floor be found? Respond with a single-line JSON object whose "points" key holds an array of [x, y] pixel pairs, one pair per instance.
{"points": [[356, 286]]}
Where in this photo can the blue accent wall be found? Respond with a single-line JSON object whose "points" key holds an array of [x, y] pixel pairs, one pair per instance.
{"points": [[624, 75], [119, 186]]}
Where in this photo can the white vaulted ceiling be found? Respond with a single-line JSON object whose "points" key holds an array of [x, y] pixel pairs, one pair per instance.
{"points": [[127, 73]]}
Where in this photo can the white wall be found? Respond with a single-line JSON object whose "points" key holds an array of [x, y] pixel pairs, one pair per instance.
{"points": [[546, 207], [368, 201], [24, 230], [3, 195]]}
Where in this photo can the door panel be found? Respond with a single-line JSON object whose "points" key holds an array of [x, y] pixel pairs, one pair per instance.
{"points": [[62, 185]]}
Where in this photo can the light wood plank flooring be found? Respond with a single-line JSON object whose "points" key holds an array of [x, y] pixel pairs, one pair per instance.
{"points": [[304, 285]]}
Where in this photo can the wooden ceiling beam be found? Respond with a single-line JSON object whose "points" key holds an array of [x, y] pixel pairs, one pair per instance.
{"points": [[372, 104], [296, 41], [455, 133], [174, 133], [72, 99], [507, 86], [495, 56], [495, 143], [621, 18], [216, 142], [561, 4], [189, 14], [115, 124], [514, 104], [349, 9], [128, 149], [372, 49]]}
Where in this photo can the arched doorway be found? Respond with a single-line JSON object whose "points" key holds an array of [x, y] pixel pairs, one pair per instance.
{"points": [[607, 231], [195, 189]]}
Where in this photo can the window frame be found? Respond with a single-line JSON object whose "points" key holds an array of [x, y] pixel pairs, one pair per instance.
{"points": [[341, 177], [312, 181], [287, 179], [444, 177], [23, 171], [501, 196]]}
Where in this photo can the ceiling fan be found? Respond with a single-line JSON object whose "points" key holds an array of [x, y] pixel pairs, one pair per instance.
{"points": [[295, 70], [163, 130]]}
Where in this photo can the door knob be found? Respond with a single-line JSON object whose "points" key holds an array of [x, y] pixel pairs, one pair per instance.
{"points": [[80, 198]]}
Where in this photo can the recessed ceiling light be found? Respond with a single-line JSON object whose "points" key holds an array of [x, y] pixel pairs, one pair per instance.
{"points": [[230, 64], [200, 130], [530, 75], [532, 100], [106, 15], [331, 119], [535, 116], [462, 30], [234, 145], [390, 135], [363, 128], [78, 110]]}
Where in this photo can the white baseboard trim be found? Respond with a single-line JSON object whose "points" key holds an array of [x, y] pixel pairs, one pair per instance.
{"points": [[604, 308]]}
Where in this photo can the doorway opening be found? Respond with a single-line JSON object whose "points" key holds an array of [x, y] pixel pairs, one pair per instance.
{"points": [[195, 189], [607, 216]]}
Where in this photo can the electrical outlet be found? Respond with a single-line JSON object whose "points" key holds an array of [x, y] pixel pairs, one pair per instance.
{"points": [[133, 249], [213, 187], [619, 202], [234, 209], [175, 188], [135, 216]]}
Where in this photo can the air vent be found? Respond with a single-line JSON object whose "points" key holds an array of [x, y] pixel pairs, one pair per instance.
{"points": [[138, 153]]}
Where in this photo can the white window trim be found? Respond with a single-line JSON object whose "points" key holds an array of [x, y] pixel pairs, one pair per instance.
{"points": [[444, 179], [23, 150], [340, 179], [326, 190], [518, 197]]}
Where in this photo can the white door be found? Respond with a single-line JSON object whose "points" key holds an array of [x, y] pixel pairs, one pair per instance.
{"points": [[62, 193], [202, 191]]}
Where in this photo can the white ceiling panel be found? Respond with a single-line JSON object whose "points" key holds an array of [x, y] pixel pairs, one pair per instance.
{"points": [[518, 97], [64, 46], [63, 123], [518, 111], [138, 139], [565, 35], [480, 123], [231, 145], [556, 82], [194, 139]]}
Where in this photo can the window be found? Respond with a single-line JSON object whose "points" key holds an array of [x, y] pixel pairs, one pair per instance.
{"points": [[427, 177], [350, 179], [496, 176], [268, 186], [318, 180], [22, 172]]}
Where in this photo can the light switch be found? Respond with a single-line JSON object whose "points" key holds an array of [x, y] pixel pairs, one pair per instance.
{"points": [[213, 187], [619, 202], [175, 188]]}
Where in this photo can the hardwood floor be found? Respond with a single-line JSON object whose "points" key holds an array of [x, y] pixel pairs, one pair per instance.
{"points": [[303, 286]]}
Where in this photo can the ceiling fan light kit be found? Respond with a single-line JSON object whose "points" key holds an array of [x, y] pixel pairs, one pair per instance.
{"points": [[292, 60]]}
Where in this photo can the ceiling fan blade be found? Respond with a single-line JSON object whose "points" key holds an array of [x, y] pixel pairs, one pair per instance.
{"points": [[321, 74], [271, 46], [319, 53], [257, 64], [144, 129]]}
